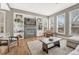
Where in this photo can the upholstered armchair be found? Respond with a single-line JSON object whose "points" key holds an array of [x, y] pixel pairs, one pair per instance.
{"points": [[7, 41]]}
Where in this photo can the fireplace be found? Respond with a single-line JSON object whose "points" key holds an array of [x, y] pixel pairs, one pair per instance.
{"points": [[29, 27]]}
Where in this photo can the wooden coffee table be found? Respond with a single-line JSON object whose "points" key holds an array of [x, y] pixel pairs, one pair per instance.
{"points": [[46, 43]]}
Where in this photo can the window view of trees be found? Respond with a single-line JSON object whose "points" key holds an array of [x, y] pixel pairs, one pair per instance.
{"points": [[61, 22]]}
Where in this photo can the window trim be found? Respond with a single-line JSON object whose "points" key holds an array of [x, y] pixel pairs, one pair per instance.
{"points": [[4, 21], [70, 13], [52, 18], [64, 23]]}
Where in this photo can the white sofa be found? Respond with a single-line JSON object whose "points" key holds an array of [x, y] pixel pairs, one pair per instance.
{"points": [[75, 52]]}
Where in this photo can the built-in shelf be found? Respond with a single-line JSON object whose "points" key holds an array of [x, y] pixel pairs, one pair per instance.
{"points": [[18, 25]]}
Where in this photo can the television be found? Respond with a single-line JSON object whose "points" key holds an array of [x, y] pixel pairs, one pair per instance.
{"points": [[29, 21]]}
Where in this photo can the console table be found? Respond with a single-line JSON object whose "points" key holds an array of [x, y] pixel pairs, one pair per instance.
{"points": [[48, 33]]}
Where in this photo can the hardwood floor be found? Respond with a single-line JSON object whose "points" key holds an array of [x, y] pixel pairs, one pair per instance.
{"points": [[22, 49]]}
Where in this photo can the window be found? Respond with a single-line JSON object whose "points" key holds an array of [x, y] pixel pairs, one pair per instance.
{"points": [[2, 22], [60, 24], [74, 17], [51, 23], [45, 24]]}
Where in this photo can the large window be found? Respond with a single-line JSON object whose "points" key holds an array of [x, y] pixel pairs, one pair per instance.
{"points": [[2, 22], [61, 23], [51, 24], [74, 17], [45, 24]]}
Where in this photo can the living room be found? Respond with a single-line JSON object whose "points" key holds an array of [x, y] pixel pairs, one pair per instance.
{"points": [[38, 29]]}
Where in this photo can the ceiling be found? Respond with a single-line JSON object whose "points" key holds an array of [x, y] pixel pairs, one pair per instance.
{"points": [[4, 6], [41, 8]]}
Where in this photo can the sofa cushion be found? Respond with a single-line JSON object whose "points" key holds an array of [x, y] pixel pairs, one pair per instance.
{"points": [[74, 39]]}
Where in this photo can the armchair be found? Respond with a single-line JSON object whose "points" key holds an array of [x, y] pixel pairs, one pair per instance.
{"points": [[7, 41]]}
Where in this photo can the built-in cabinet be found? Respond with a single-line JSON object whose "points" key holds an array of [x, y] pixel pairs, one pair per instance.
{"points": [[26, 26], [18, 25], [39, 26], [29, 27]]}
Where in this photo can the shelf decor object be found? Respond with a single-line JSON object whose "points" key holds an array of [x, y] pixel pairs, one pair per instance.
{"points": [[18, 25]]}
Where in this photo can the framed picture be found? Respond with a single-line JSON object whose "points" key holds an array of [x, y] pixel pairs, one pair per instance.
{"points": [[29, 21], [18, 18]]}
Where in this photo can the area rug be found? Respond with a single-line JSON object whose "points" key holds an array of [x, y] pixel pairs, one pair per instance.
{"points": [[36, 49]]}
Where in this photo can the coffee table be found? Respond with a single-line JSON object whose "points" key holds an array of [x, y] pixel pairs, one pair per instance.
{"points": [[46, 42]]}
